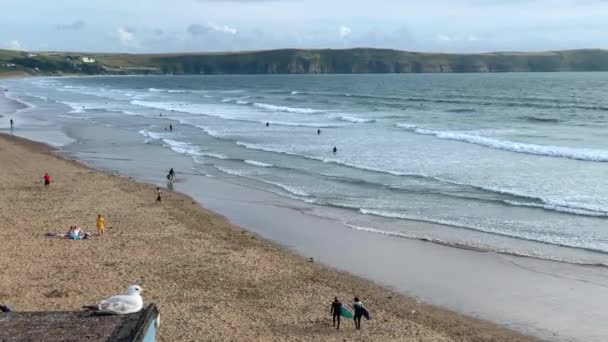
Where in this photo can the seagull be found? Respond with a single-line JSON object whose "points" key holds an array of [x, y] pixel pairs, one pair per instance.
{"points": [[122, 304]]}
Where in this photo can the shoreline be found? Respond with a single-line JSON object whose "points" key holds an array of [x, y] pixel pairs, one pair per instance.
{"points": [[493, 287], [429, 323]]}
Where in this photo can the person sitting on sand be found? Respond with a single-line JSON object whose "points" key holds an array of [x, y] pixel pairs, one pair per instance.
{"points": [[159, 195], [336, 311], [101, 224], [358, 308], [47, 179], [74, 233]]}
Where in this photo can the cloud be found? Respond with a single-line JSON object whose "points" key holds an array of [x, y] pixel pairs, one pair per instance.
{"points": [[345, 31], [224, 29], [14, 45], [74, 26], [197, 29], [126, 36], [443, 37]]}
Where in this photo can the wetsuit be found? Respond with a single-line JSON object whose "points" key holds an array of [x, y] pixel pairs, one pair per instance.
{"points": [[336, 310]]}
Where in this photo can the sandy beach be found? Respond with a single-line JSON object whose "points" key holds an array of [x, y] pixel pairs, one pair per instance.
{"points": [[211, 280]]}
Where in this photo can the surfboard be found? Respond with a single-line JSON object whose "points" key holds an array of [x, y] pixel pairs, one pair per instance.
{"points": [[366, 313], [344, 312]]}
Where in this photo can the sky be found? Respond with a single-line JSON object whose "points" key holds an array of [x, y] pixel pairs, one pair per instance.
{"points": [[139, 26]]}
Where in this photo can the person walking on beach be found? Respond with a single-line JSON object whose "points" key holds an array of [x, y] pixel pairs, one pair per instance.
{"points": [[47, 179], [101, 224], [358, 308], [336, 311], [159, 195]]}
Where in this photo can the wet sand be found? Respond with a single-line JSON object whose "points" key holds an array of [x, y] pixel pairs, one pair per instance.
{"points": [[212, 281]]}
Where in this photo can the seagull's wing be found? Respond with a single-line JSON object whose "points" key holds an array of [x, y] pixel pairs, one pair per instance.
{"points": [[121, 304]]}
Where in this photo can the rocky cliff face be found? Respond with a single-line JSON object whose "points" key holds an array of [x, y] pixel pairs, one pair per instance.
{"points": [[293, 61], [388, 61]]}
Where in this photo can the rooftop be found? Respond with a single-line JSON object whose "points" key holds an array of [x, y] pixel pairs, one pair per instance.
{"points": [[81, 326]]}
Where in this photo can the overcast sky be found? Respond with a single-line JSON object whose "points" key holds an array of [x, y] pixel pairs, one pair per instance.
{"points": [[228, 25]]}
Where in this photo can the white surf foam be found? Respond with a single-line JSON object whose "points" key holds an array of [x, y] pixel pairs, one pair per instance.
{"points": [[297, 110], [543, 150], [355, 119], [257, 163], [182, 147]]}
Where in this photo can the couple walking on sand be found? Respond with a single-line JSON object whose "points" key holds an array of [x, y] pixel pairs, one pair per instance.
{"points": [[337, 311]]}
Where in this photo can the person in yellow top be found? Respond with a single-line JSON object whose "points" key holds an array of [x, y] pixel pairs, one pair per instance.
{"points": [[101, 225]]}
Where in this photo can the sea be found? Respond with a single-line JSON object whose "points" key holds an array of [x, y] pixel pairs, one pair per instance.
{"points": [[512, 163]]}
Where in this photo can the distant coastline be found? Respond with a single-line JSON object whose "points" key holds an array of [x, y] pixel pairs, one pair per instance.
{"points": [[298, 61]]}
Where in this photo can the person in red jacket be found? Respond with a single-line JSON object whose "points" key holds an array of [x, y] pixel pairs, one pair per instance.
{"points": [[47, 180]]}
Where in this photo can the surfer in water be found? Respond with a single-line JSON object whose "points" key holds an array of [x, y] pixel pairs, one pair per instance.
{"points": [[335, 149], [171, 130], [336, 311], [267, 124], [318, 131], [12, 123]]}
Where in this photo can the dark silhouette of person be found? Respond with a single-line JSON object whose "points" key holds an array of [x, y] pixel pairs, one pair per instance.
{"points": [[335, 149], [336, 311], [171, 174], [358, 308], [12, 123], [267, 124], [318, 131], [170, 129]]}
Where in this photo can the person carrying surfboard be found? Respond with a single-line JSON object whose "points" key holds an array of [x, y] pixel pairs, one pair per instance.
{"points": [[360, 311], [336, 311]]}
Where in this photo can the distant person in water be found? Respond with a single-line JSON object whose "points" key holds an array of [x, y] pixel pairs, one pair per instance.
{"points": [[159, 195], [358, 308], [171, 174], [170, 128], [267, 124], [47, 179], [318, 131], [12, 123], [336, 311], [335, 149]]}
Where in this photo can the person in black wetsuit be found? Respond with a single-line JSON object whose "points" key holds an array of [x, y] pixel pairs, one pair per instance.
{"points": [[267, 124], [318, 131], [12, 123], [171, 175], [335, 149], [336, 310], [358, 308], [170, 128]]}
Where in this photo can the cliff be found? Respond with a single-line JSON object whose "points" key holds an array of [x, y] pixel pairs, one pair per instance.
{"points": [[298, 61]]}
